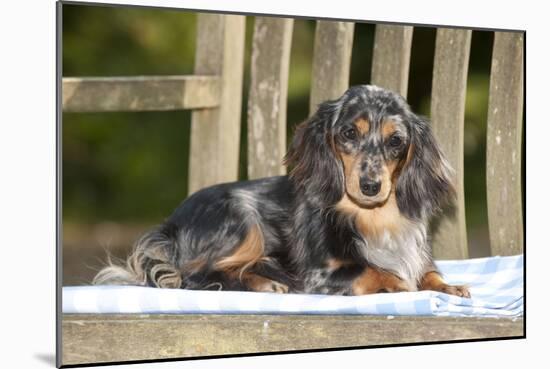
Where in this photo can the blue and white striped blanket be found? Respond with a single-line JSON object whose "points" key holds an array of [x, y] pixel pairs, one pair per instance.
{"points": [[496, 286]]}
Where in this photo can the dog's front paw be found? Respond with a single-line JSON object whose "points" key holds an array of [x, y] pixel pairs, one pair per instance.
{"points": [[273, 286], [374, 280], [261, 284], [433, 281], [461, 291], [279, 287]]}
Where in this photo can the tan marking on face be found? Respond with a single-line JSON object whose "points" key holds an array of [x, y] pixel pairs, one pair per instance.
{"points": [[248, 253], [387, 176], [374, 280], [388, 129], [386, 182], [351, 164], [352, 175], [391, 170], [362, 126], [373, 222], [394, 168]]}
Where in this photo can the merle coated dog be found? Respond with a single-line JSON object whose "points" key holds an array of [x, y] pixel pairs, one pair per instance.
{"points": [[351, 218]]}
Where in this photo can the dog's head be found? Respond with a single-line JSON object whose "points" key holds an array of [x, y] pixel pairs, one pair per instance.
{"points": [[368, 145]]}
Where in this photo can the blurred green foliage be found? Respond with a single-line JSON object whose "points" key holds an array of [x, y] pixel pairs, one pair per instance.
{"points": [[133, 166]]}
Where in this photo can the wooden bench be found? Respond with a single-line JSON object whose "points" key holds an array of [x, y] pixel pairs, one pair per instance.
{"points": [[214, 94]]}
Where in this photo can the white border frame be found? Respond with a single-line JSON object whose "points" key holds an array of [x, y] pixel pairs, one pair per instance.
{"points": [[27, 196]]}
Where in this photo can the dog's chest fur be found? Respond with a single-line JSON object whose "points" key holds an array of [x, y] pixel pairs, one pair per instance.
{"points": [[391, 241], [405, 254]]}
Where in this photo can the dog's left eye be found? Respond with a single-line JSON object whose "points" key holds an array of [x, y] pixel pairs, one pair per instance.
{"points": [[395, 141], [350, 134]]}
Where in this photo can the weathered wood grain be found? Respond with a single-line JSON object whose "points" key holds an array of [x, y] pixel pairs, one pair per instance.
{"points": [[331, 61], [452, 54], [391, 57], [271, 43], [105, 338], [504, 131], [215, 132], [143, 93]]}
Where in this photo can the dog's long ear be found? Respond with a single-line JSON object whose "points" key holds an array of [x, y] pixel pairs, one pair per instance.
{"points": [[315, 169], [425, 183]]}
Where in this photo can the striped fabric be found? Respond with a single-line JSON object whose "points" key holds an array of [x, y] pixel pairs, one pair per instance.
{"points": [[496, 286]]}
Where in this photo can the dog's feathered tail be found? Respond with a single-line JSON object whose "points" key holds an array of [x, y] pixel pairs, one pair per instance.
{"points": [[149, 264]]}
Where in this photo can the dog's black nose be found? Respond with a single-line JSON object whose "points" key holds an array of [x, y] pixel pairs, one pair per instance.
{"points": [[370, 188]]}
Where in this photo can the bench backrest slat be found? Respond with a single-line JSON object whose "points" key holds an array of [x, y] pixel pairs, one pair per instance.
{"points": [[450, 72], [268, 96], [391, 57], [504, 134], [215, 133], [152, 93], [331, 61]]}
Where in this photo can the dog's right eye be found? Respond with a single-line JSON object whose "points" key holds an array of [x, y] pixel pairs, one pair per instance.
{"points": [[349, 134], [395, 141]]}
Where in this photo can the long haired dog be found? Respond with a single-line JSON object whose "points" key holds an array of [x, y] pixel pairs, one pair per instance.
{"points": [[350, 219]]}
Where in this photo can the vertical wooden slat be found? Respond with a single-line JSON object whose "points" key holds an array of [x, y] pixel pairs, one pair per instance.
{"points": [[331, 61], [268, 93], [215, 132], [452, 53], [391, 57], [504, 129]]}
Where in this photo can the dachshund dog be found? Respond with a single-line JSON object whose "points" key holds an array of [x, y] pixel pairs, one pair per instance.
{"points": [[351, 218]]}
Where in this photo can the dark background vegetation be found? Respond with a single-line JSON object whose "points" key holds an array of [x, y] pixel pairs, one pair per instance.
{"points": [[124, 172]]}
